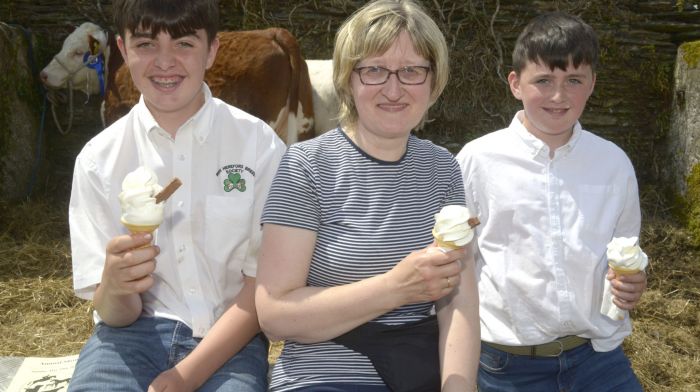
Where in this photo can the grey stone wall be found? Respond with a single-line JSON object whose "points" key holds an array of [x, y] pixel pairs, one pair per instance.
{"points": [[684, 135], [19, 114], [631, 104]]}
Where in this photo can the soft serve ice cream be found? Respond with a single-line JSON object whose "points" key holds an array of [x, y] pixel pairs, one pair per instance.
{"points": [[454, 227], [140, 210], [625, 257]]}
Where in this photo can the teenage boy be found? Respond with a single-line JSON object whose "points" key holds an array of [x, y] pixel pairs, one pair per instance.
{"points": [[550, 196], [188, 321]]}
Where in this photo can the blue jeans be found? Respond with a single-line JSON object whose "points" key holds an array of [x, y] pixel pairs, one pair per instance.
{"points": [[129, 358], [578, 370]]}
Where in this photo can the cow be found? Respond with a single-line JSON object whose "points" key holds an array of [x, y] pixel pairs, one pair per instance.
{"points": [[324, 96], [259, 71]]}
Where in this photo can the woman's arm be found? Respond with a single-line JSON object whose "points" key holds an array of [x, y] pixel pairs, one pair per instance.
{"points": [[460, 340], [289, 309], [231, 332]]}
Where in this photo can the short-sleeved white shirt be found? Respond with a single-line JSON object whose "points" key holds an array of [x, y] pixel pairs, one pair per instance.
{"points": [[210, 236], [545, 224]]}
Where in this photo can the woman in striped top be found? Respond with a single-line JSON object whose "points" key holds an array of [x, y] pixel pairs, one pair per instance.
{"points": [[347, 224]]}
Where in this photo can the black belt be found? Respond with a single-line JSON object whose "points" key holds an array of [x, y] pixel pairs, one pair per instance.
{"points": [[551, 349]]}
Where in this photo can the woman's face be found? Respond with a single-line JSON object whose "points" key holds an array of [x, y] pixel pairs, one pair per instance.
{"points": [[392, 109]]}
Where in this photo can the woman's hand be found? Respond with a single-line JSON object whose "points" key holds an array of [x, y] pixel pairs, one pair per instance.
{"points": [[428, 274]]}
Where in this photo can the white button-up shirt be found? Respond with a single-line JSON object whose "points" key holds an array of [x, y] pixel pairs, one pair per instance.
{"points": [[226, 160], [545, 224]]}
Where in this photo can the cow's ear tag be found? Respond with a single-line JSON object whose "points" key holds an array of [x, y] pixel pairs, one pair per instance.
{"points": [[95, 47]]}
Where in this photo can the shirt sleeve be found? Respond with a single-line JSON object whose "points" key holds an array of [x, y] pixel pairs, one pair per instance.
{"points": [[92, 224], [630, 220], [294, 199], [455, 193], [270, 152], [464, 160]]}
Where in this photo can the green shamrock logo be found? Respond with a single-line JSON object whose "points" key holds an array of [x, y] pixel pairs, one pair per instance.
{"points": [[234, 181]]}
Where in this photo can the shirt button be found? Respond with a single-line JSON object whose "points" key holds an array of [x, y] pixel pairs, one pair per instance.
{"points": [[180, 204], [182, 248], [181, 157], [191, 291]]}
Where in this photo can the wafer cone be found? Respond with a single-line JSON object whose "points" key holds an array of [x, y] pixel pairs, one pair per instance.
{"points": [[135, 229], [447, 245], [608, 308], [623, 271]]}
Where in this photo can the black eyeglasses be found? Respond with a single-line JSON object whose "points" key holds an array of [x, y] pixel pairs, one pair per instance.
{"points": [[411, 75]]}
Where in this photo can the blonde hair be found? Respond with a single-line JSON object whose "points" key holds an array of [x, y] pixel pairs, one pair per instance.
{"points": [[370, 31]]}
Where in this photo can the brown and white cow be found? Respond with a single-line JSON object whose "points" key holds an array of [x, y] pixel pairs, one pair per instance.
{"points": [[259, 71], [68, 68]]}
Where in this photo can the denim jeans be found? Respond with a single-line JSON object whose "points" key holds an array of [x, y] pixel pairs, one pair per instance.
{"points": [[129, 358], [578, 370]]}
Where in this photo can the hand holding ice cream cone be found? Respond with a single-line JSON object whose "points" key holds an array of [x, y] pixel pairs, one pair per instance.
{"points": [[625, 257]]}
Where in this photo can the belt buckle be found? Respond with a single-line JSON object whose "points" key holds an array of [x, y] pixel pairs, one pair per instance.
{"points": [[561, 350]]}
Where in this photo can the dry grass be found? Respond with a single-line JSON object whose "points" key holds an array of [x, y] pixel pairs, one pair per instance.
{"points": [[39, 316], [665, 344]]}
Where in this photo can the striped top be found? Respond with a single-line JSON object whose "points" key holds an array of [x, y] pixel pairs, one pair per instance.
{"points": [[368, 215]]}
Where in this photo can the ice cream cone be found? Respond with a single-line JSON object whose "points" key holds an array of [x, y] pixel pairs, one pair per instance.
{"points": [[447, 245], [454, 227], [623, 271], [135, 229]]}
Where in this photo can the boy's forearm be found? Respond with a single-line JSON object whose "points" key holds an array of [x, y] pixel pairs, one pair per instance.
{"points": [[460, 340], [117, 311], [234, 329], [459, 352]]}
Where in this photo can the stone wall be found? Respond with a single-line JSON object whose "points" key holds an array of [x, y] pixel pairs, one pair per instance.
{"points": [[19, 114], [630, 106], [684, 135]]}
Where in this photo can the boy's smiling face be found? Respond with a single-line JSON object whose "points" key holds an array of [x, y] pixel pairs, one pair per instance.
{"points": [[169, 72], [553, 100]]}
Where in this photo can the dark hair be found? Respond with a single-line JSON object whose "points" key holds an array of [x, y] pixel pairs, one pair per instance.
{"points": [[557, 39], [176, 17]]}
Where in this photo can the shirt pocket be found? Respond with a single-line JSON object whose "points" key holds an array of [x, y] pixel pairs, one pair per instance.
{"points": [[598, 208], [227, 226]]}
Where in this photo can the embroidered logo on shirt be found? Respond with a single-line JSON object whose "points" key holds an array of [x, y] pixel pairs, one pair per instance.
{"points": [[235, 177], [234, 181]]}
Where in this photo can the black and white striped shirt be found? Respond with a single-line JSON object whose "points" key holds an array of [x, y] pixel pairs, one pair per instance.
{"points": [[368, 215]]}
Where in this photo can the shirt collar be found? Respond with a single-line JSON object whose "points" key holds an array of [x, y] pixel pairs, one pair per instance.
{"points": [[537, 146], [201, 121]]}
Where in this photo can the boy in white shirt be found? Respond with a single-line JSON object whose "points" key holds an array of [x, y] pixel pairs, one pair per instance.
{"points": [[188, 321], [550, 196]]}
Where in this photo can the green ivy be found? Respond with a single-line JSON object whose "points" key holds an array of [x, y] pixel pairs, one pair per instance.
{"points": [[691, 53], [692, 201]]}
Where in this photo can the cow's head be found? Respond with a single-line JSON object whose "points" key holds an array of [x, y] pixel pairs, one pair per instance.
{"points": [[78, 63]]}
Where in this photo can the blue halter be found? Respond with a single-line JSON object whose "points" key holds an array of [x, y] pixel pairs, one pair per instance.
{"points": [[96, 62]]}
